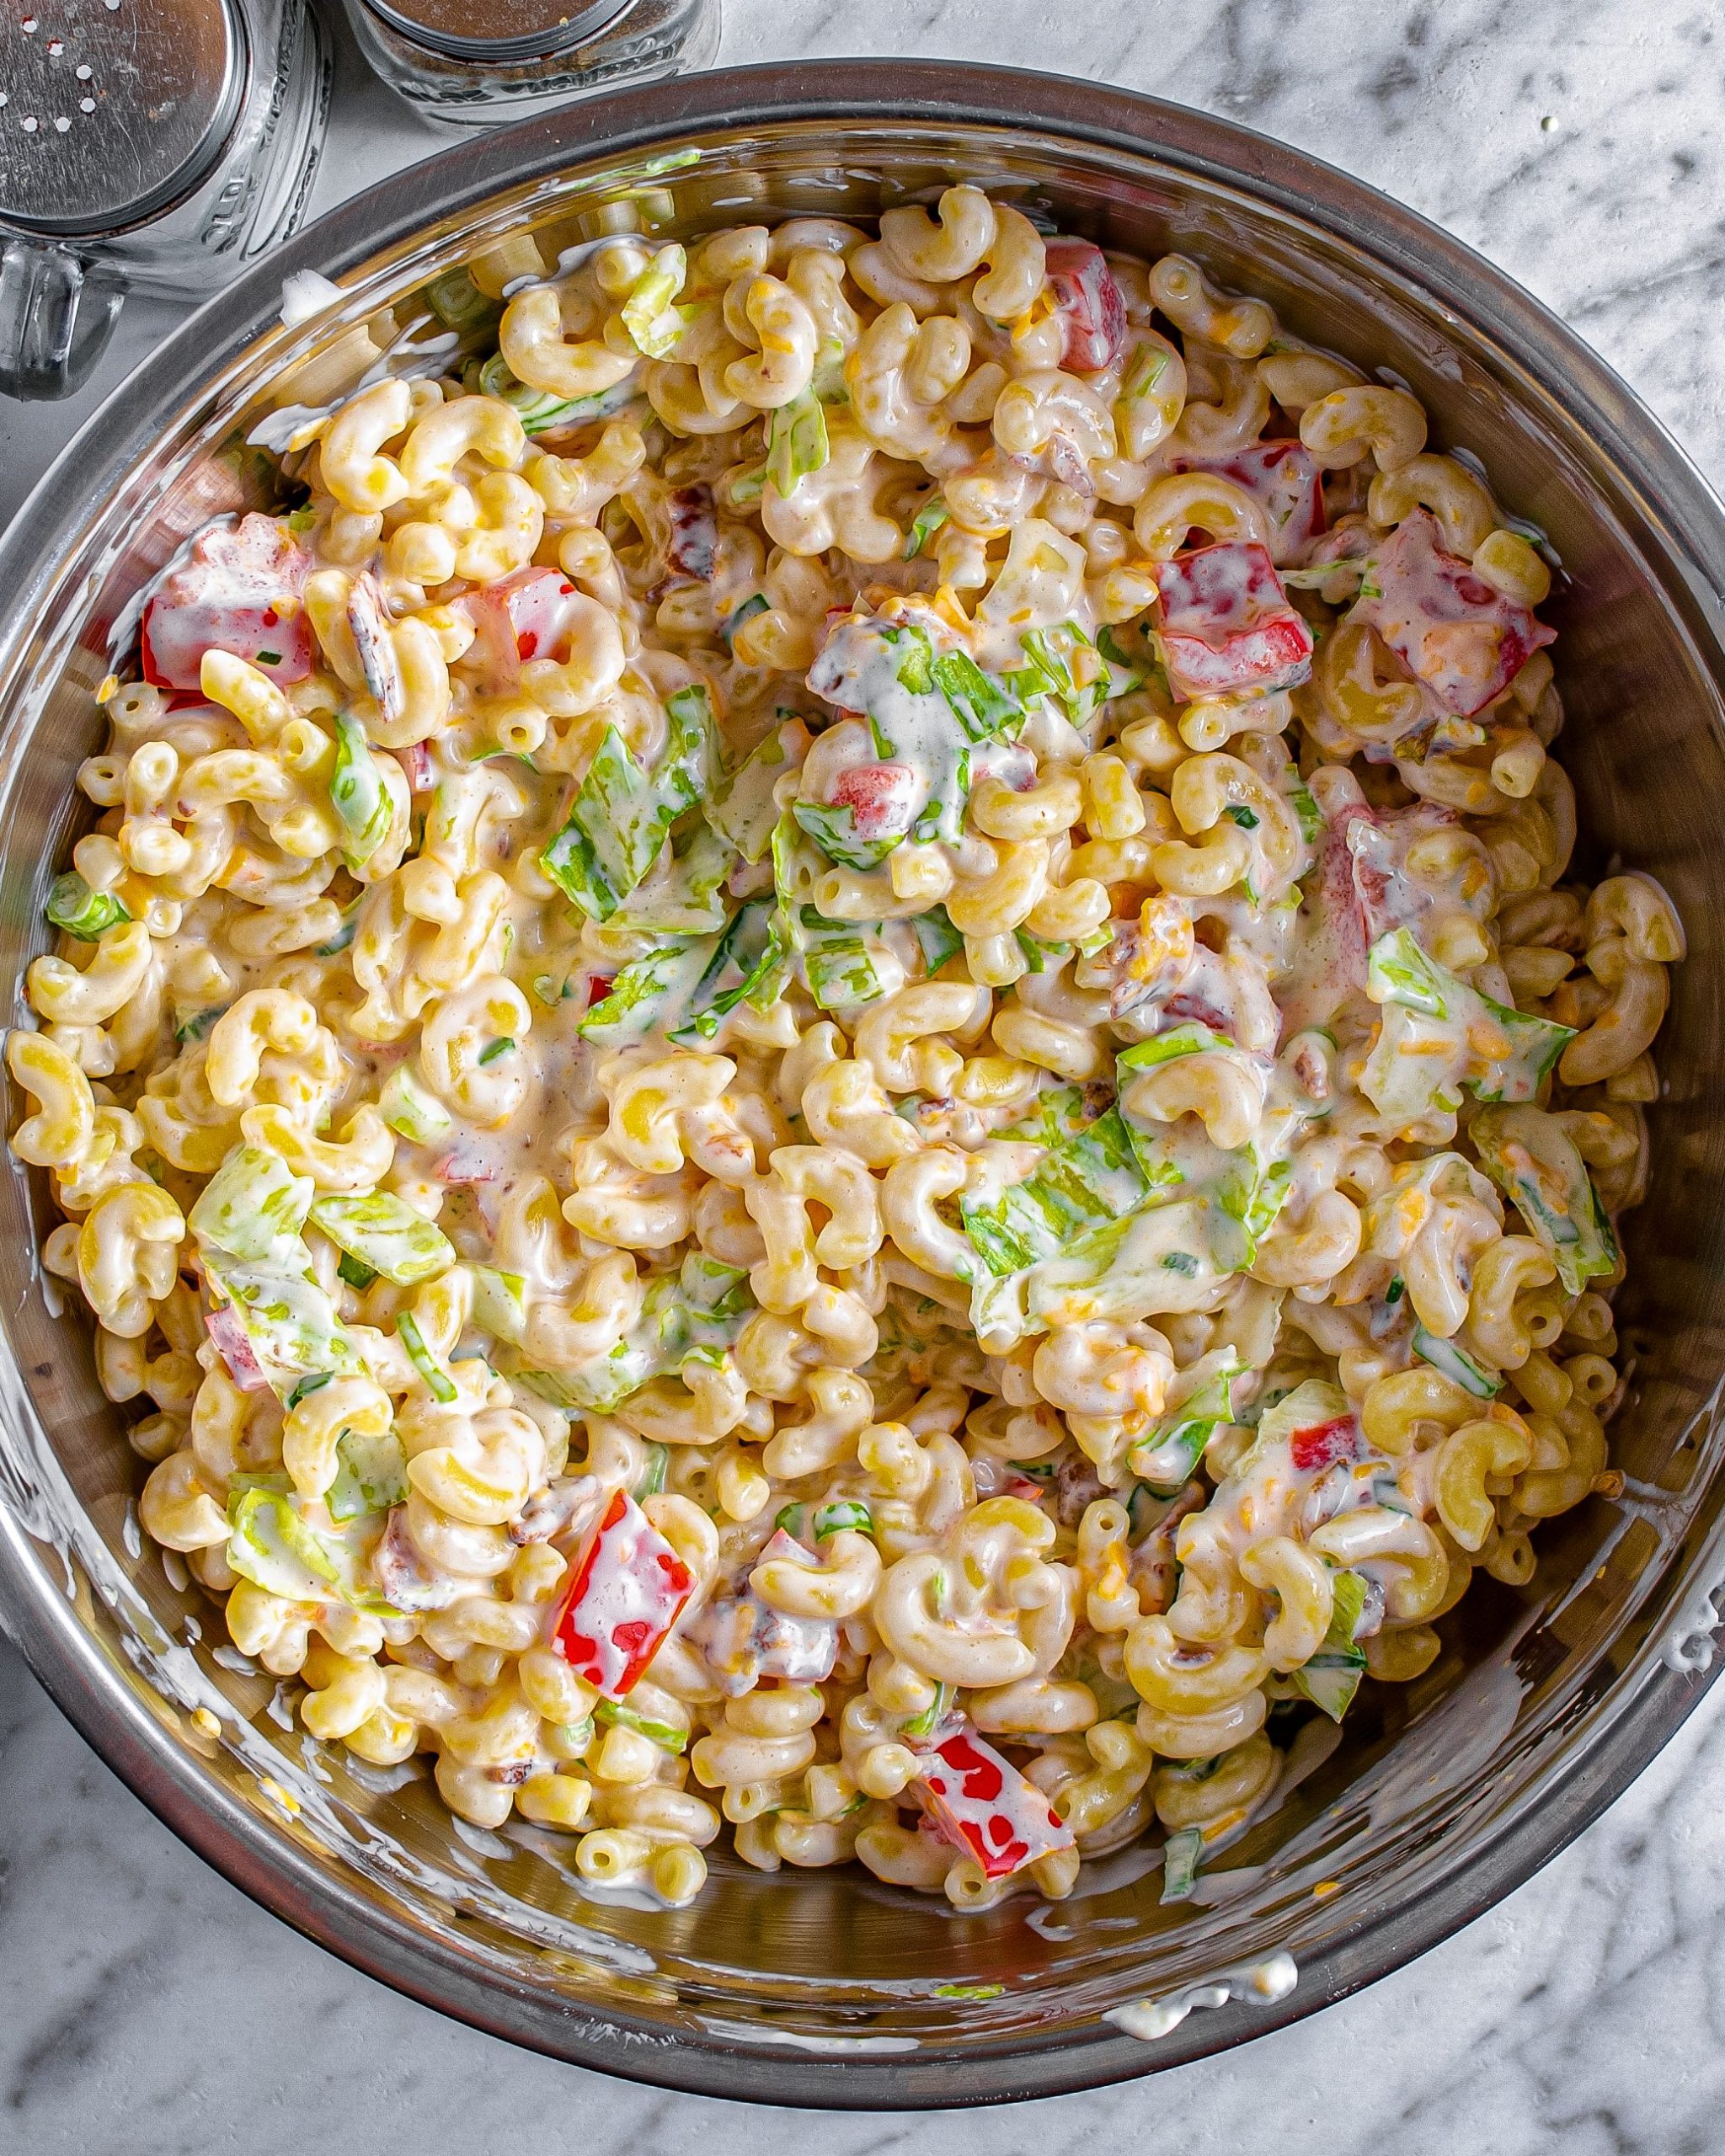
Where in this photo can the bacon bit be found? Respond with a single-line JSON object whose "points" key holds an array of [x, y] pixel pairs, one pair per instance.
{"points": [[694, 544], [416, 764], [228, 1334], [1089, 302], [465, 1164], [407, 1582], [1323, 1443], [1226, 623]]}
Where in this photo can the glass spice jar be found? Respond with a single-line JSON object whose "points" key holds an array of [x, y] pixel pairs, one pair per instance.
{"points": [[481, 63], [161, 144]]}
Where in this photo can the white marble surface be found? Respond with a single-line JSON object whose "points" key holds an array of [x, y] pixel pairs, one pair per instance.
{"points": [[147, 2007]]}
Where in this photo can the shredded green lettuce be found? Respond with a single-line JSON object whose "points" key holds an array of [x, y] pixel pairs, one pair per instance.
{"points": [[623, 816]]}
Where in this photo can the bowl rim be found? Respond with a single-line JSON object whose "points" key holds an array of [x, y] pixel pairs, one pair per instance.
{"points": [[65, 1657]]}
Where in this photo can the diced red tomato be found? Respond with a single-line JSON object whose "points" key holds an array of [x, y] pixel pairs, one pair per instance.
{"points": [[629, 1589], [522, 617], [1281, 478], [693, 546], [985, 1807], [1323, 1443], [1226, 623], [240, 593], [1090, 304], [228, 1332], [1458, 634], [881, 797], [598, 987]]}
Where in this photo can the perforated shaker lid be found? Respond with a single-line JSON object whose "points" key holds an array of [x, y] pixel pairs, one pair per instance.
{"points": [[112, 110], [497, 30]]}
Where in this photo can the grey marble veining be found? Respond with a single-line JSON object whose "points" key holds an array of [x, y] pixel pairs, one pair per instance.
{"points": [[145, 2006]]}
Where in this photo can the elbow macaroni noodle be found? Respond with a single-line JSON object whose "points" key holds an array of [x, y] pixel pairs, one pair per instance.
{"points": [[1129, 1224]]}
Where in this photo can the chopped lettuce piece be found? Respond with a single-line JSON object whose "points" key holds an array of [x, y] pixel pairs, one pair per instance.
{"points": [[980, 703], [411, 1109], [744, 811], [937, 937], [1331, 1677], [500, 1302], [357, 791], [684, 894], [815, 1523], [621, 817], [664, 1734], [271, 1546], [384, 1233], [252, 1202], [844, 962], [653, 324], [1439, 1033], [1190, 1039], [1083, 1181], [700, 1307], [1181, 1854], [651, 991], [749, 965], [796, 442], [438, 1381], [1529, 1156], [73, 906], [290, 1323], [539, 410], [371, 1475], [1167, 1458], [927, 520], [1457, 1364]]}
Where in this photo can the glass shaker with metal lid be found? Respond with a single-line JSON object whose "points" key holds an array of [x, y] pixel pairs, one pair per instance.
{"points": [[158, 143], [473, 63]]}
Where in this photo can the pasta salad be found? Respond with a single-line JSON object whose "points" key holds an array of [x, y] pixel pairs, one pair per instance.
{"points": [[825, 1062]]}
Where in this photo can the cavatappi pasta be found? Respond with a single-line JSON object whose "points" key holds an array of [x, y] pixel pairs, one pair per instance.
{"points": [[826, 1061]]}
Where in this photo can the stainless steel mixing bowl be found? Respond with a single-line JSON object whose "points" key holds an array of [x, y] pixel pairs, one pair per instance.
{"points": [[825, 1988]]}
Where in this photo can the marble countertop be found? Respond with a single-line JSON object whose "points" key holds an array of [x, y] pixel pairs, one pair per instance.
{"points": [[147, 2007]]}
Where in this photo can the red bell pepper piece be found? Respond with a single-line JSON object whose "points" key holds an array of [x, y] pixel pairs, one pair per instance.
{"points": [[1281, 478], [629, 1589], [1456, 633], [985, 1808], [239, 592], [1226, 623], [1090, 305], [522, 617], [1323, 1443]]}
